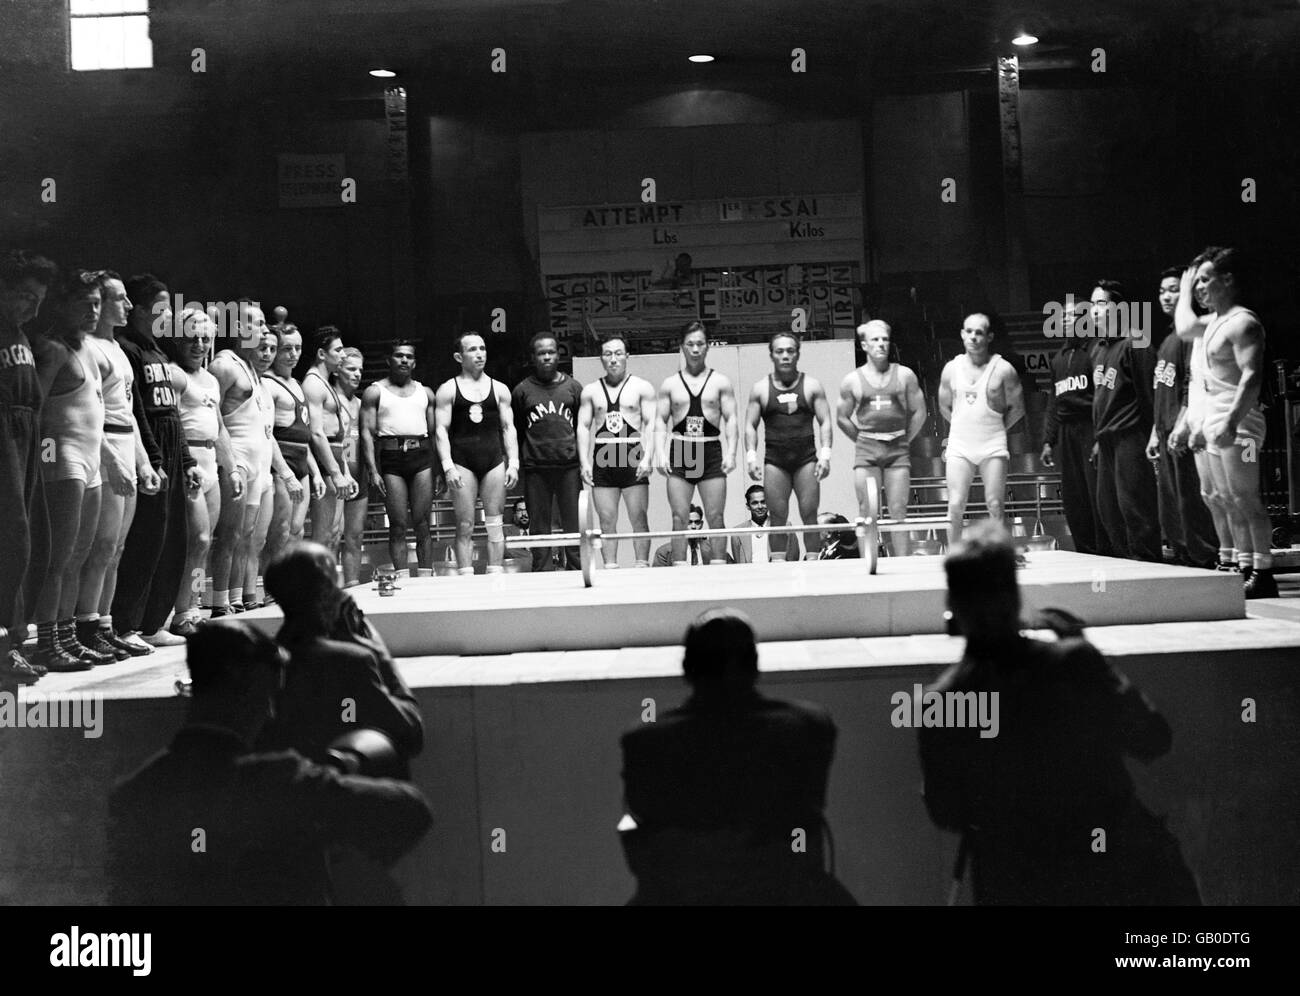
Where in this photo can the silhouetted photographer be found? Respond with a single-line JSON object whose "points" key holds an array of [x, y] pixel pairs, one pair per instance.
{"points": [[209, 822], [1046, 808], [727, 791]]}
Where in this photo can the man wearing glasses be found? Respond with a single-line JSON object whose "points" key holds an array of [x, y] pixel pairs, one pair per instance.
{"points": [[980, 397], [616, 457]]}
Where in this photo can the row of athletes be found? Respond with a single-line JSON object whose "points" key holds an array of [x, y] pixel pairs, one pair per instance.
{"points": [[615, 433]]}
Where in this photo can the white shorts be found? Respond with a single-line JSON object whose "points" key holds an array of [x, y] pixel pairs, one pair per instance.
{"points": [[205, 457], [994, 446], [1249, 431]]}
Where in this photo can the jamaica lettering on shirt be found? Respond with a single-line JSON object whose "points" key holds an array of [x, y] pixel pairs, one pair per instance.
{"points": [[550, 408]]}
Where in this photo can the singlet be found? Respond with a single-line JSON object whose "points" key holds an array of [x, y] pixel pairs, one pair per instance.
{"points": [[693, 424], [118, 409], [476, 423], [199, 403], [298, 429], [350, 429], [616, 425], [1196, 384], [1216, 385], [250, 422], [882, 411], [77, 414], [974, 421], [403, 416], [787, 416], [338, 406]]}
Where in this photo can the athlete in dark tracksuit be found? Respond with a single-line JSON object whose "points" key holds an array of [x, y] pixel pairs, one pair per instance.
{"points": [[1122, 416], [1184, 517], [1067, 442], [546, 419], [20, 449], [153, 560]]}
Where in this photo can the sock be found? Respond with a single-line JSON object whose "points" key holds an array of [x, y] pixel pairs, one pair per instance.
{"points": [[220, 599], [89, 618], [1227, 555], [1245, 560], [1263, 561], [465, 570], [236, 596], [642, 563], [611, 567], [495, 569], [106, 622]]}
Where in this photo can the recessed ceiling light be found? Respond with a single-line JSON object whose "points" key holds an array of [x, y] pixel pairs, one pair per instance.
{"points": [[383, 74], [701, 58], [1025, 38]]}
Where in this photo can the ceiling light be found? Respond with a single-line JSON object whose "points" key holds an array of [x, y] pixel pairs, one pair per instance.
{"points": [[383, 74], [701, 58], [1025, 38]]}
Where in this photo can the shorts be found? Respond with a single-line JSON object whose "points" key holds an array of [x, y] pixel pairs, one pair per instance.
{"points": [[362, 476], [122, 444], [253, 457], [695, 460], [405, 464], [994, 446], [295, 455], [475, 457], [613, 465], [882, 453], [74, 460], [1249, 431], [790, 455], [205, 458]]}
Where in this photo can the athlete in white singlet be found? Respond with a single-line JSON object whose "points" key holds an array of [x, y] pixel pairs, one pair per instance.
{"points": [[1233, 424], [123, 446], [980, 396]]}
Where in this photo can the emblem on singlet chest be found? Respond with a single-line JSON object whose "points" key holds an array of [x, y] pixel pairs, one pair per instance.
{"points": [[614, 422], [476, 412], [788, 400], [695, 425], [971, 396]]}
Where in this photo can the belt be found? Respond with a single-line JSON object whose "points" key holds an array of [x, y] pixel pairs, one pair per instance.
{"points": [[402, 443], [124, 430], [883, 437], [291, 442], [209, 443]]}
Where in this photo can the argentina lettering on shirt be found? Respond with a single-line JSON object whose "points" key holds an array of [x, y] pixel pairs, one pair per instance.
{"points": [[90, 950], [1078, 382], [16, 355], [540, 410]]}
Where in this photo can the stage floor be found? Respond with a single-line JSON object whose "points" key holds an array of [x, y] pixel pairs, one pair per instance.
{"points": [[521, 613]]}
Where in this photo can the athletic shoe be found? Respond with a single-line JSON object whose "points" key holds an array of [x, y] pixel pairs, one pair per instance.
{"points": [[130, 642], [1261, 584], [235, 608], [162, 639], [15, 669], [251, 606], [58, 658], [90, 636], [184, 626], [1021, 561], [66, 636], [1225, 568], [220, 612], [27, 656]]}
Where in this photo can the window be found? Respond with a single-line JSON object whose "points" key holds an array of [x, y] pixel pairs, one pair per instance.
{"points": [[110, 34]]}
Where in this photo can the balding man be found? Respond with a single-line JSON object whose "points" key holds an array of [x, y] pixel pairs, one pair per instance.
{"points": [[882, 408], [980, 397]]}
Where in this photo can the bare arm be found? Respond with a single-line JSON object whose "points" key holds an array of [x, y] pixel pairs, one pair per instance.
{"points": [[754, 415], [1248, 350], [847, 406], [1187, 323], [369, 426], [1014, 395], [586, 414], [915, 405], [662, 428], [730, 435], [945, 394], [509, 438], [442, 402], [821, 406]]}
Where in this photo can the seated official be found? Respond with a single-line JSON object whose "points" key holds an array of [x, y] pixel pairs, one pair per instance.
{"points": [[698, 551], [728, 790], [208, 822], [756, 549], [1031, 800], [840, 544], [340, 676]]}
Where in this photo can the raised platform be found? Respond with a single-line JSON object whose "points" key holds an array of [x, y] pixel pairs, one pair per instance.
{"points": [[798, 601]]}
